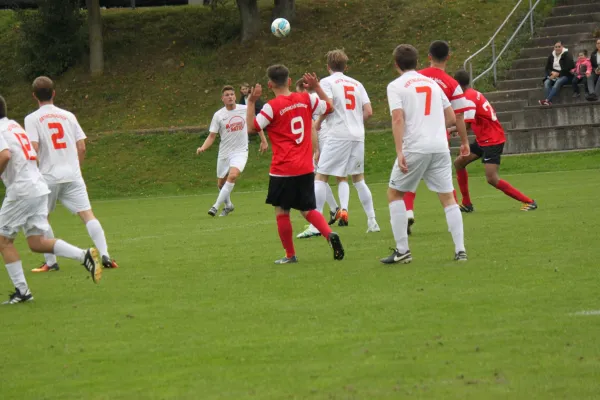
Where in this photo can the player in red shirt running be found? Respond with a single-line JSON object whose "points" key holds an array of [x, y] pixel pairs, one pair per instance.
{"points": [[439, 54], [488, 145], [291, 185]]}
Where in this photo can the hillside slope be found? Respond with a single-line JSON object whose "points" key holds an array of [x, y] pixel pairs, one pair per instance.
{"points": [[165, 66]]}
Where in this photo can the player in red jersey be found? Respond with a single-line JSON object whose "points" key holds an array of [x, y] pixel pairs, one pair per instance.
{"points": [[291, 185], [439, 54], [488, 145]]}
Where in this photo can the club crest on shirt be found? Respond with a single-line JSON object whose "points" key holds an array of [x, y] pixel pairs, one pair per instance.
{"points": [[235, 124]]}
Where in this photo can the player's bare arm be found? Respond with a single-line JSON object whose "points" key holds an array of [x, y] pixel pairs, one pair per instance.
{"points": [[315, 143], [264, 144], [80, 144], [4, 159], [398, 132], [312, 83], [210, 139], [367, 111], [462, 133], [255, 94]]}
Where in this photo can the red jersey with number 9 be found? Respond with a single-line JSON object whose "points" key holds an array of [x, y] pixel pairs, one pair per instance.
{"points": [[482, 117], [289, 121]]}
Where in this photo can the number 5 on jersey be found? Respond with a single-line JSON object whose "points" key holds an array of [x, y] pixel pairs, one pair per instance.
{"points": [[59, 133]]}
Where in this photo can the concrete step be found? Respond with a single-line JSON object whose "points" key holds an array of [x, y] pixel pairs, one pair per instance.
{"points": [[553, 138], [581, 113], [526, 73], [573, 19], [548, 41], [586, 8], [568, 29], [529, 83], [565, 96], [506, 117], [530, 62], [511, 105], [535, 52], [577, 2]]}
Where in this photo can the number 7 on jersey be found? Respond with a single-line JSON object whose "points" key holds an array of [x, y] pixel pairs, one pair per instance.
{"points": [[427, 91]]}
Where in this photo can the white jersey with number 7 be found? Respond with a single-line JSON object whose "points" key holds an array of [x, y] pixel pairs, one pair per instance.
{"points": [[349, 96], [57, 132], [423, 103]]}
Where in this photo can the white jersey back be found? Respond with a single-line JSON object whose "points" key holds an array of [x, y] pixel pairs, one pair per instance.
{"points": [[349, 96], [57, 132], [21, 177], [423, 102], [233, 129]]}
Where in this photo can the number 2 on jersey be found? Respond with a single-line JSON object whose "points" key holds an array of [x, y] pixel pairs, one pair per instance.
{"points": [[26, 146], [57, 135], [350, 98], [298, 128], [427, 91], [487, 107]]}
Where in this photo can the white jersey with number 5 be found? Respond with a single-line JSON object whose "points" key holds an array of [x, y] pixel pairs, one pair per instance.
{"points": [[423, 103], [21, 177], [57, 132], [349, 96]]}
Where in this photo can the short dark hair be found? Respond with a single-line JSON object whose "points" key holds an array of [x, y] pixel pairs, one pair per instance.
{"points": [[278, 74], [462, 77], [3, 112], [406, 57], [585, 52], [226, 88], [43, 88], [439, 50]]}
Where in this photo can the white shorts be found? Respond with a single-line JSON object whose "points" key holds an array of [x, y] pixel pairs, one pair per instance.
{"points": [[29, 215], [342, 158], [72, 195], [237, 160], [435, 169]]}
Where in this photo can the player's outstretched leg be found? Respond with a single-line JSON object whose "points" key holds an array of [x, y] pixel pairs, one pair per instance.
{"points": [[50, 263], [317, 220], [285, 230], [366, 199], [491, 174], [344, 196], [399, 220], [14, 267], [97, 235], [409, 201]]}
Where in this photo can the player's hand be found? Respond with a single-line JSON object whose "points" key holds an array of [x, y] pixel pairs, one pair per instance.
{"points": [[264, 146], [402, 163], [310, 81], [255, 93], [465, 150], [200, 150]]}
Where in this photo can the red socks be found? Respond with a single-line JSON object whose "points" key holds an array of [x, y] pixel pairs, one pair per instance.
{"points": [[318, 221], [512, 192], [284, 226], [463, 183], [409, 200]]}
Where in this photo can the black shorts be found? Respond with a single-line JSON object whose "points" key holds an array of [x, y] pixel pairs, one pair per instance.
{"points": [[488, 154], [297, 192]]}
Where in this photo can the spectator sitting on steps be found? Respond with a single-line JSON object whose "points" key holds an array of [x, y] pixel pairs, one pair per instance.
{"points": [[595, 60], [558, 72], [582, 72], [245, 92]]}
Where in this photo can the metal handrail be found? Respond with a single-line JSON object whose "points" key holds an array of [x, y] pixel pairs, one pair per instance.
{"points": [[492, 41]]}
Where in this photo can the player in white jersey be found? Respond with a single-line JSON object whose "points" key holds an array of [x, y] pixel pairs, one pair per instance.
{"points": [[230, 124], [343, 153], [421, 112], [318, 136], [60, 142], [25, 207]]}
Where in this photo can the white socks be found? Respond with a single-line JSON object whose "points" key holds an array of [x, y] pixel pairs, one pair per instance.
{"points": [[410, 214], [97, 234], [333, 205], [320, 194], [15, 271], [64, 249], [455, 227], [399, 224], [224, 194], [364, 194], [49, 257], [344, 194]]}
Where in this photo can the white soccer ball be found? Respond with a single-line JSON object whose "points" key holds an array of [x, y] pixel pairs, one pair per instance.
{"points": [[281, 27]]}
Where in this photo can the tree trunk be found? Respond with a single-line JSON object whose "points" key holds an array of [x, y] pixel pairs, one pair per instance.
{"points": [[250, 18], [95, 33], [285, 9]]}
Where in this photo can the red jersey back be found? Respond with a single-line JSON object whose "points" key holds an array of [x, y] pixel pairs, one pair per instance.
{"points": [[482, 117], [289, 119], [450, 86]]}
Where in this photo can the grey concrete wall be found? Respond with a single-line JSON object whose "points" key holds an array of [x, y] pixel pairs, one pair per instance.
{"points": [[552, 139]]}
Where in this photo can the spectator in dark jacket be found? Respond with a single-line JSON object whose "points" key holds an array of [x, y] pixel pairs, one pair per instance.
{"points": [[595, 60], [245, 92], [558, 72]]}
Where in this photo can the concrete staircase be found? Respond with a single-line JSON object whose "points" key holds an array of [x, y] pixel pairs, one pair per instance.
{"points": [[570, 123]]}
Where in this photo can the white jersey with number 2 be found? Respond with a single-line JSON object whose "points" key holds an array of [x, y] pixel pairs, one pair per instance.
{"points": [[423, 103], [349, 96], [57, 132]]}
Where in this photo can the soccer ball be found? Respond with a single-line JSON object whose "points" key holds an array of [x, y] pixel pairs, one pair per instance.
{"points": [[281, 27]]}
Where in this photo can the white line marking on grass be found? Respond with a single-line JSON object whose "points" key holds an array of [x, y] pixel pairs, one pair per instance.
{"points": [[588, 312]]}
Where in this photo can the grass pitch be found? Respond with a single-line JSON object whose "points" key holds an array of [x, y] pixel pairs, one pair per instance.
{"points": [[198, 310]]}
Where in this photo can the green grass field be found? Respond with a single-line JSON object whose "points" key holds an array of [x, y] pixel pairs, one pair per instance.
{"points": [[198, 310]]}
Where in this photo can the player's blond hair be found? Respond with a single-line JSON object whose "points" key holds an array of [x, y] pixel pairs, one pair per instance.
{"points": [[300, 85], [337, 60], [43, 88]]}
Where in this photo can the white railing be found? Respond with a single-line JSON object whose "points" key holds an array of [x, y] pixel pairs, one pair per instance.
{"points": [[492, 42]]}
